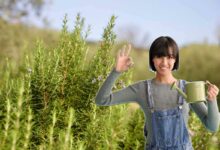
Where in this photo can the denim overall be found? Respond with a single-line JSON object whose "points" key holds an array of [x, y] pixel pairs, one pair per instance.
{"points": [[169, 129]]}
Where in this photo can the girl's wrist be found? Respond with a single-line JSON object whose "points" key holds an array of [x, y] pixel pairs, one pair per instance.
{"points": [[116, 70], [211, 99]]}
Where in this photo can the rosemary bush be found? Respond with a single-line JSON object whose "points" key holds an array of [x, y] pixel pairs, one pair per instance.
{"points": [[51, 105]]}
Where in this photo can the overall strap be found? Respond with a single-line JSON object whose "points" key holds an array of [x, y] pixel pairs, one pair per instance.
{"points": [[182, 87], [150, 97]]}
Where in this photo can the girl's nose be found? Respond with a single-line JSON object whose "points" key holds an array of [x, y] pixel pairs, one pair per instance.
{"points": [[164, 60]]}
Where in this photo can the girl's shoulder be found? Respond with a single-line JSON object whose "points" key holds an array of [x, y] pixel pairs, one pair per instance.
{"points": [[141, 84]]}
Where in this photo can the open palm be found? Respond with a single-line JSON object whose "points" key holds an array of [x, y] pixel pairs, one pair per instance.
{"points": [[124, 61]]}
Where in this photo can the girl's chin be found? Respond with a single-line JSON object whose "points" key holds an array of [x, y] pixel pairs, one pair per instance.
{"points": [[164, 72]]}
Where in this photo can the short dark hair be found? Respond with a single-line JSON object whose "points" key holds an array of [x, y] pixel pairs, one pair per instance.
{"points": [[164, 46]]}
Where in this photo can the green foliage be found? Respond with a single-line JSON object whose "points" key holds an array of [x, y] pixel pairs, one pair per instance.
{"points": [[201, 139], [202, 57], [134, 137], [60, 80], [50, 104], [19, 40]]}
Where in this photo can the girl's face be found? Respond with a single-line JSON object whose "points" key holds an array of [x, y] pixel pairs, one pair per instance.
{"points": [[164, 64]]}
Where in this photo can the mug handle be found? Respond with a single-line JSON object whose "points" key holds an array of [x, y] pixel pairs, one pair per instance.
{"points": [[207, 82]]}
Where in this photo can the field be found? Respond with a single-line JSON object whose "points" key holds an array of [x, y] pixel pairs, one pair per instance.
{"points": [[47, 93]]}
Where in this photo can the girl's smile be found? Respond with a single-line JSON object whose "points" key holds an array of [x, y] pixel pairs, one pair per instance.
{"points": [[164, 64]]}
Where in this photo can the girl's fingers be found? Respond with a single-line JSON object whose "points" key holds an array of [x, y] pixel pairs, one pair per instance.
{"points": [[210, 84], [128, 50], [216, 88], [130, 62], [213, 88], [123, 50], [212, 93], [119, 53]]}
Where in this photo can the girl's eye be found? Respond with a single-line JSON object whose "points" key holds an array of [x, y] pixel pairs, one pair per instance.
{"points": [[171, 57]]}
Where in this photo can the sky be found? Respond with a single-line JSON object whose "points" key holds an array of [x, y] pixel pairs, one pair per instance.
{"points": [[186, 21]]}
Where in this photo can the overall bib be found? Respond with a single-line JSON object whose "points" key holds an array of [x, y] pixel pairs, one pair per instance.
{"points": [[169, 131]]}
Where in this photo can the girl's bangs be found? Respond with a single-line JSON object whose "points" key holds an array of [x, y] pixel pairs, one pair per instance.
{"points": [[163, 52]]}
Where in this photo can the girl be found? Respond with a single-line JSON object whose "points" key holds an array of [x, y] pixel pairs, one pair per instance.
{"points": [[166, 112]]}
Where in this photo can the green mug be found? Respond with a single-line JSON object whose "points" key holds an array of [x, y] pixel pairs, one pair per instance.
{"points": [[195, 91]]}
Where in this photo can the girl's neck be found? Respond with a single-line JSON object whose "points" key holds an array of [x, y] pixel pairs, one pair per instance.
{"points": [[169, 79]]}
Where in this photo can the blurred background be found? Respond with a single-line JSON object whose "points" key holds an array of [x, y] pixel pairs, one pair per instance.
{"points": [[195, 25], [138, 22], [142, 21]]}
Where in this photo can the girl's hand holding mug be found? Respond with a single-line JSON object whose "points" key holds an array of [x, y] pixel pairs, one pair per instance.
{"points": [[212, 91]]}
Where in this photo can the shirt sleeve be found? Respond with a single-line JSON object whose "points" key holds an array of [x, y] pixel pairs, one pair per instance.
{"points": [[106, 97], [208, 113]]}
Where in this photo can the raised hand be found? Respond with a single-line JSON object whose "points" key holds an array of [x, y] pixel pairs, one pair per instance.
{"points": [[124, 61]]}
